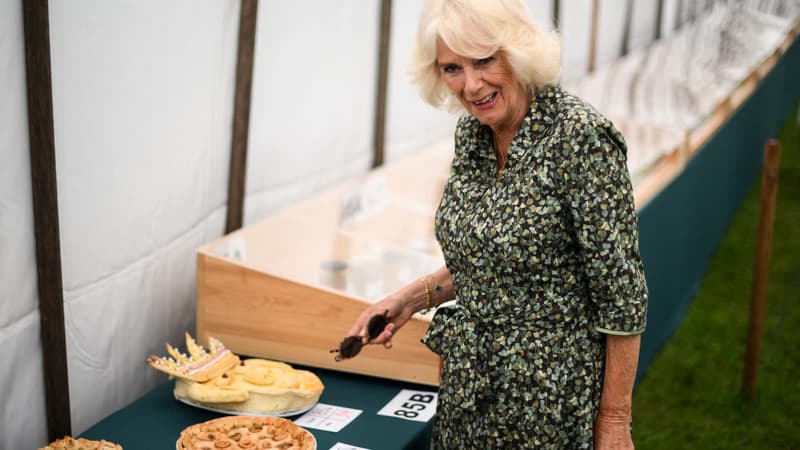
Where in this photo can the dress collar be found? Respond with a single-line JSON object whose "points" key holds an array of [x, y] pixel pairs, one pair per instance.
{"points": [[538, 119]]}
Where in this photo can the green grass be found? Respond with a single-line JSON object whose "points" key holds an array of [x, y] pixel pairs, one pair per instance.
{"points": [[691, 396]]}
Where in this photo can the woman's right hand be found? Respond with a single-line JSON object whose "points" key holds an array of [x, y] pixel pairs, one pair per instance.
{"points": [[400, 306], [397, 311]]}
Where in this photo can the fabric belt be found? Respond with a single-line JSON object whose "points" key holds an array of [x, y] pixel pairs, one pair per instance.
{"points": [[466, 344]]}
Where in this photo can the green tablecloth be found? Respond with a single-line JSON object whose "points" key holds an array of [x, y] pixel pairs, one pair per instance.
{"points": [[154, 421]]}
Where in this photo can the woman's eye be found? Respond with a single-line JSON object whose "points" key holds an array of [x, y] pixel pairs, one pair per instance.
{"points": [[484, 61], [449, 68]]}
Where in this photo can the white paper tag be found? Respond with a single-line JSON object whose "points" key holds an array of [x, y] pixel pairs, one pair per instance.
{"points": [[341, 446], [419, 406], [327, 417]]}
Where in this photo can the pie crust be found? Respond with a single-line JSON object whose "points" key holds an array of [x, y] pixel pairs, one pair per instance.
{"points": [[246, 432], [255, 386], [70, 443]]}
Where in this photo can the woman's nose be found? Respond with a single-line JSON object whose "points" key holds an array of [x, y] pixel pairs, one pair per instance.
{"points": [[473, 81]]}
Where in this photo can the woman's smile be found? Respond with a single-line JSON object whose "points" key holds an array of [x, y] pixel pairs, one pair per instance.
{"points": [[487, 102]]}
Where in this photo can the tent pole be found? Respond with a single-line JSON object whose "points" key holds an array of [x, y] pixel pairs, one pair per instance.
{"points": [[659, 18], [758, 299], [626, 31], [45, 216], [241, 115], [557, 14], [379, 127], [593, 42]]}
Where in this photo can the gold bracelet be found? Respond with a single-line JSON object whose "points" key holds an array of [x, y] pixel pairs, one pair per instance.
{"points": [[428, 299]]}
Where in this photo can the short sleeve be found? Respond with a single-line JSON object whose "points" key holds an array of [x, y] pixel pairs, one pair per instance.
{"points": [[603, 215]]}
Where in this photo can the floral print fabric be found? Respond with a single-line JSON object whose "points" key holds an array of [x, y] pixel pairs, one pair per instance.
{"points": [[545, 261]]}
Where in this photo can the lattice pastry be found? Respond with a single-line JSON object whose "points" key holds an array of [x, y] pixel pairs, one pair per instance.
{"points": [[70, 443], [246, 432]]}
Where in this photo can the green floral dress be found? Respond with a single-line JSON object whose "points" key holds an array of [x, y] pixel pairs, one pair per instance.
{"points": [[545, 262]]}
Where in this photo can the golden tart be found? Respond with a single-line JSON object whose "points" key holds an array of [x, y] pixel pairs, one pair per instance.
{"points": [[70, 443], [246, 432], [217, 379]]}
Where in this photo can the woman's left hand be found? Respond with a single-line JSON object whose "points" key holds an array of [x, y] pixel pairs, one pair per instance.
{"points": [[612, 431], [612, 427]]}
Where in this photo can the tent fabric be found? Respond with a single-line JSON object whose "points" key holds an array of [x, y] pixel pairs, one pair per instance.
{"points": [[142, 111], [22, 414], [410, 124], [17, 282], [313, 96], [655, 109], [22, 389]]}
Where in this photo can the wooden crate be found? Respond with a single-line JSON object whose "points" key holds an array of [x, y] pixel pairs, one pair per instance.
{"points": [[268, 290]]}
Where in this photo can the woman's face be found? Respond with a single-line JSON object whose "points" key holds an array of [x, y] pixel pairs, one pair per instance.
{"points": [[487, 88]]}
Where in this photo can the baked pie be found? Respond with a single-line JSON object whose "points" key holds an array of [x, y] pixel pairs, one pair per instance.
{"points": [[255, 386], [70, 443], [219, 380], [246, 432]]}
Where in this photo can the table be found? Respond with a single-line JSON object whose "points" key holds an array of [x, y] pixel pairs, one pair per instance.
{"points": [[164, 417]]}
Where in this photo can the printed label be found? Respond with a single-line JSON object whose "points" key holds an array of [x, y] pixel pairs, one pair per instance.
{"points": [[418, 406], [327, 417]]}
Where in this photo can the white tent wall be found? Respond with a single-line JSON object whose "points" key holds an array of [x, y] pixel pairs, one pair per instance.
{"points": [[142, 104], [669, 17], [575, 30], [611, 30], [643, 24], [542, 12], [22, 404], [411, 123], [313, 99]]}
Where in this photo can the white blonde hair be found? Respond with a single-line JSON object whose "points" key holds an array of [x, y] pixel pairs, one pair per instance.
{"points": [[478, 29]]}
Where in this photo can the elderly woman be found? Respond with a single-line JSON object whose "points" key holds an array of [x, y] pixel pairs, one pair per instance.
{"points": [[539, 235]]}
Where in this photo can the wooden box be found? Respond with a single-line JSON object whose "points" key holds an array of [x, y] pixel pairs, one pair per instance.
{"points": [[290, 287]]}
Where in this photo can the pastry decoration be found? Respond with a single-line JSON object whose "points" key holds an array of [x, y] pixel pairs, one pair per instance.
{"points": [[70, 443], [200, 365], [246, 432], [250, 386]]}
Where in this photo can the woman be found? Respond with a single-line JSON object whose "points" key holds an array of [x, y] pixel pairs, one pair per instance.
{"points": [[539, 235]]}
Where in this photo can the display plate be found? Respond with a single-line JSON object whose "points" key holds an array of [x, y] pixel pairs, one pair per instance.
{"points": [[227, 412]]}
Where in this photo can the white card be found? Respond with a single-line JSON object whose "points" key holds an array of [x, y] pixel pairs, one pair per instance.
{"points": [[327, 417], [419, 406], [341, 446]]}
